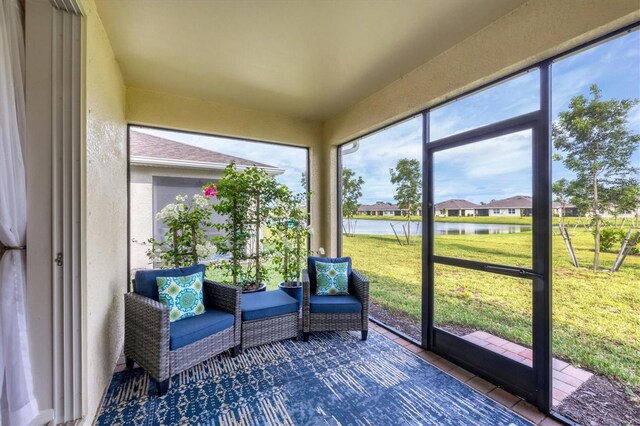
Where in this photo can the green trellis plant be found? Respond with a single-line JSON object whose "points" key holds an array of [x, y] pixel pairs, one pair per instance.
{"points": [[289, 234], [246, 198]]}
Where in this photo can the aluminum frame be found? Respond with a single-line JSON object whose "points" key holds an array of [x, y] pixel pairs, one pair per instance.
{"points": [[542, 295]]}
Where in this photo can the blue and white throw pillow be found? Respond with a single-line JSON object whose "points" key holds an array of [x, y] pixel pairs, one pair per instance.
{"points": [[183, 295], [332, 279]]}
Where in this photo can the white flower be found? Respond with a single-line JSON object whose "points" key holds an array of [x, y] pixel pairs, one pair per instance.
{"points": [[311, 230], [170, 211], [181, 198], [321, 251], [200, 201], [206, 250]]}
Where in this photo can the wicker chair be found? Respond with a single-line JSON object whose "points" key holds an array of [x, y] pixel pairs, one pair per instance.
{"points": [[335, 313], [155, 343]]}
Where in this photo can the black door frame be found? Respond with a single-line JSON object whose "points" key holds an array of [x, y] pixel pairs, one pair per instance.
{"points": [[542, 299], [531, 383]]}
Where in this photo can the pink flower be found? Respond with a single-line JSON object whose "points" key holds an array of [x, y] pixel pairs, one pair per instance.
{"points": [[210, 190]]}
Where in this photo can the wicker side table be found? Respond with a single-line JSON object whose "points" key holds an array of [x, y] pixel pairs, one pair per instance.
{"points": [[268, 317]]}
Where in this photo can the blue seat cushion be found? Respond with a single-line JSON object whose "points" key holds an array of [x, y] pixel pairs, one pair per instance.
{"points": [[147, 286], [311, 268], [192, 329], [334, 304], [267, 304]]}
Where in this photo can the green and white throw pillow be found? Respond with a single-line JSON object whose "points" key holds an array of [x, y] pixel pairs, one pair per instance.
{"points": [[332, 279], [183, 295]]}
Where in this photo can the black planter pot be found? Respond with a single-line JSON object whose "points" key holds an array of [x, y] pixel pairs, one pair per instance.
{"points": [[295, 291], [262, 287]]}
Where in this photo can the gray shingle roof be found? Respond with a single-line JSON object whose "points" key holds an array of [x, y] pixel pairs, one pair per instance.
{"points": [[456, 204], [515, 202], [144, 145], [378, 207]]}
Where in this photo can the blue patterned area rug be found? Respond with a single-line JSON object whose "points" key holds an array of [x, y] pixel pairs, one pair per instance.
{"points": [[334, 379]]}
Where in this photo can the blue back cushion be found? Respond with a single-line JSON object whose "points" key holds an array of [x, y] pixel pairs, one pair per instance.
{"points": [[311, 267], [146, 280]]}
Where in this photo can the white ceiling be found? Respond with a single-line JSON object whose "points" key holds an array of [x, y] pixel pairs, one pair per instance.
{"points": [[304, 58]]}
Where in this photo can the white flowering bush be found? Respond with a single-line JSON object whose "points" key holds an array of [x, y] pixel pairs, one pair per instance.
{"points": [[186, 241], [289, 234]]}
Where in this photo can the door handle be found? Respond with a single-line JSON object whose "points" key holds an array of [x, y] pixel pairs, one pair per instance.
{"points": [[515, 272]]}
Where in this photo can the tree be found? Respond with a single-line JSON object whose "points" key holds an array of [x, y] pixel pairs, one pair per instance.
{"points": [[562, 190], [351, 192], [597, 146], [408, 181], [622, 198], [303, 181]]}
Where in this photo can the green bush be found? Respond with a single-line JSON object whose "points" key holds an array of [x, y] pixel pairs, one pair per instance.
{"points": [[610, 237]]}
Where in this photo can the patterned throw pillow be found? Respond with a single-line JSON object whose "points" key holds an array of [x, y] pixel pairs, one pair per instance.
{"points": [[183, 295], [332, 278]]}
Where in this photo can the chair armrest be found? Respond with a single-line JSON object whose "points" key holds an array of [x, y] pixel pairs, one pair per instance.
{"points": [[361, 287], [146, 334], [226, 298], [306, 288], [306, 293]]}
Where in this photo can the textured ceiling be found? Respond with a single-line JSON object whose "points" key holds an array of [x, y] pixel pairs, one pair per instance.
{"points": [[309, 59]]}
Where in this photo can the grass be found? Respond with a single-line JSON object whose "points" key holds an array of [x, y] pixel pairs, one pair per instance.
{"points": [[596, 314], [506, 220]]}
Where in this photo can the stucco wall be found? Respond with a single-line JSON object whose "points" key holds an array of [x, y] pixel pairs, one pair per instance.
{"points": [[105, 212]]}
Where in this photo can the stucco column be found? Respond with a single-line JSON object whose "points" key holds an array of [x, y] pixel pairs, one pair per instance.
{"points": [[323, 169]]}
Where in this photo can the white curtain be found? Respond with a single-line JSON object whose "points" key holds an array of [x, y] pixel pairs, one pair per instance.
{"points": [[18, 403]]}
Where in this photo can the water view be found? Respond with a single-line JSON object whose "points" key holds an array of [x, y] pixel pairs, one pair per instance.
{"points": [[383, 227]]}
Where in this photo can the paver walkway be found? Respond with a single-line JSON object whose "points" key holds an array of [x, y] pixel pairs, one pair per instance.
{"points": [[566, 378]]}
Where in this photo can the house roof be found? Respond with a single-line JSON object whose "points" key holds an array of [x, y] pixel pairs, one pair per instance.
{"points": [[378, 207], [456, 204], [152, 150], [515, 202], [519, 202]]}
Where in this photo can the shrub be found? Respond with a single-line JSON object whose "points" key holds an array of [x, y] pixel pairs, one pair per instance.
{"points": [[610, 237]]}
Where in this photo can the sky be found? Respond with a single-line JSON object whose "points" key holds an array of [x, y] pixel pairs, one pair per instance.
{"points": [[292, 160], [491, 169], [500, 167]]}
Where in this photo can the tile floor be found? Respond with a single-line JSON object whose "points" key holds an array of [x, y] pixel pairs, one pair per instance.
{"points": [[566, 378]]}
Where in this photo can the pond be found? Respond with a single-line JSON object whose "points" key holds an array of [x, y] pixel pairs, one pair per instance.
{"points": [[383, 227]]}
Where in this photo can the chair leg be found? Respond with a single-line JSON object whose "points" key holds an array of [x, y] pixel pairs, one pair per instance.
{"points": [[305, 336], [365, 333], [129, 362], [235, 351], [163, 387]]}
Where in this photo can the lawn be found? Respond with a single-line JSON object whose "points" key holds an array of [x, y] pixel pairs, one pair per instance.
{"points": [[506, 220], [596, 314]]}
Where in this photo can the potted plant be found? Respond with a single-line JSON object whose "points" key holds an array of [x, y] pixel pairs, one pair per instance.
{"points": [[289, 234], [246, 199], [186, 241]]}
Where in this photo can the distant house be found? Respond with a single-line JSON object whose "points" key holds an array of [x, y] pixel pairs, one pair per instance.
{"points": [[568, 210], [456, 207], [382, 209], [160, 169], [519, 205], [379, 209]]}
